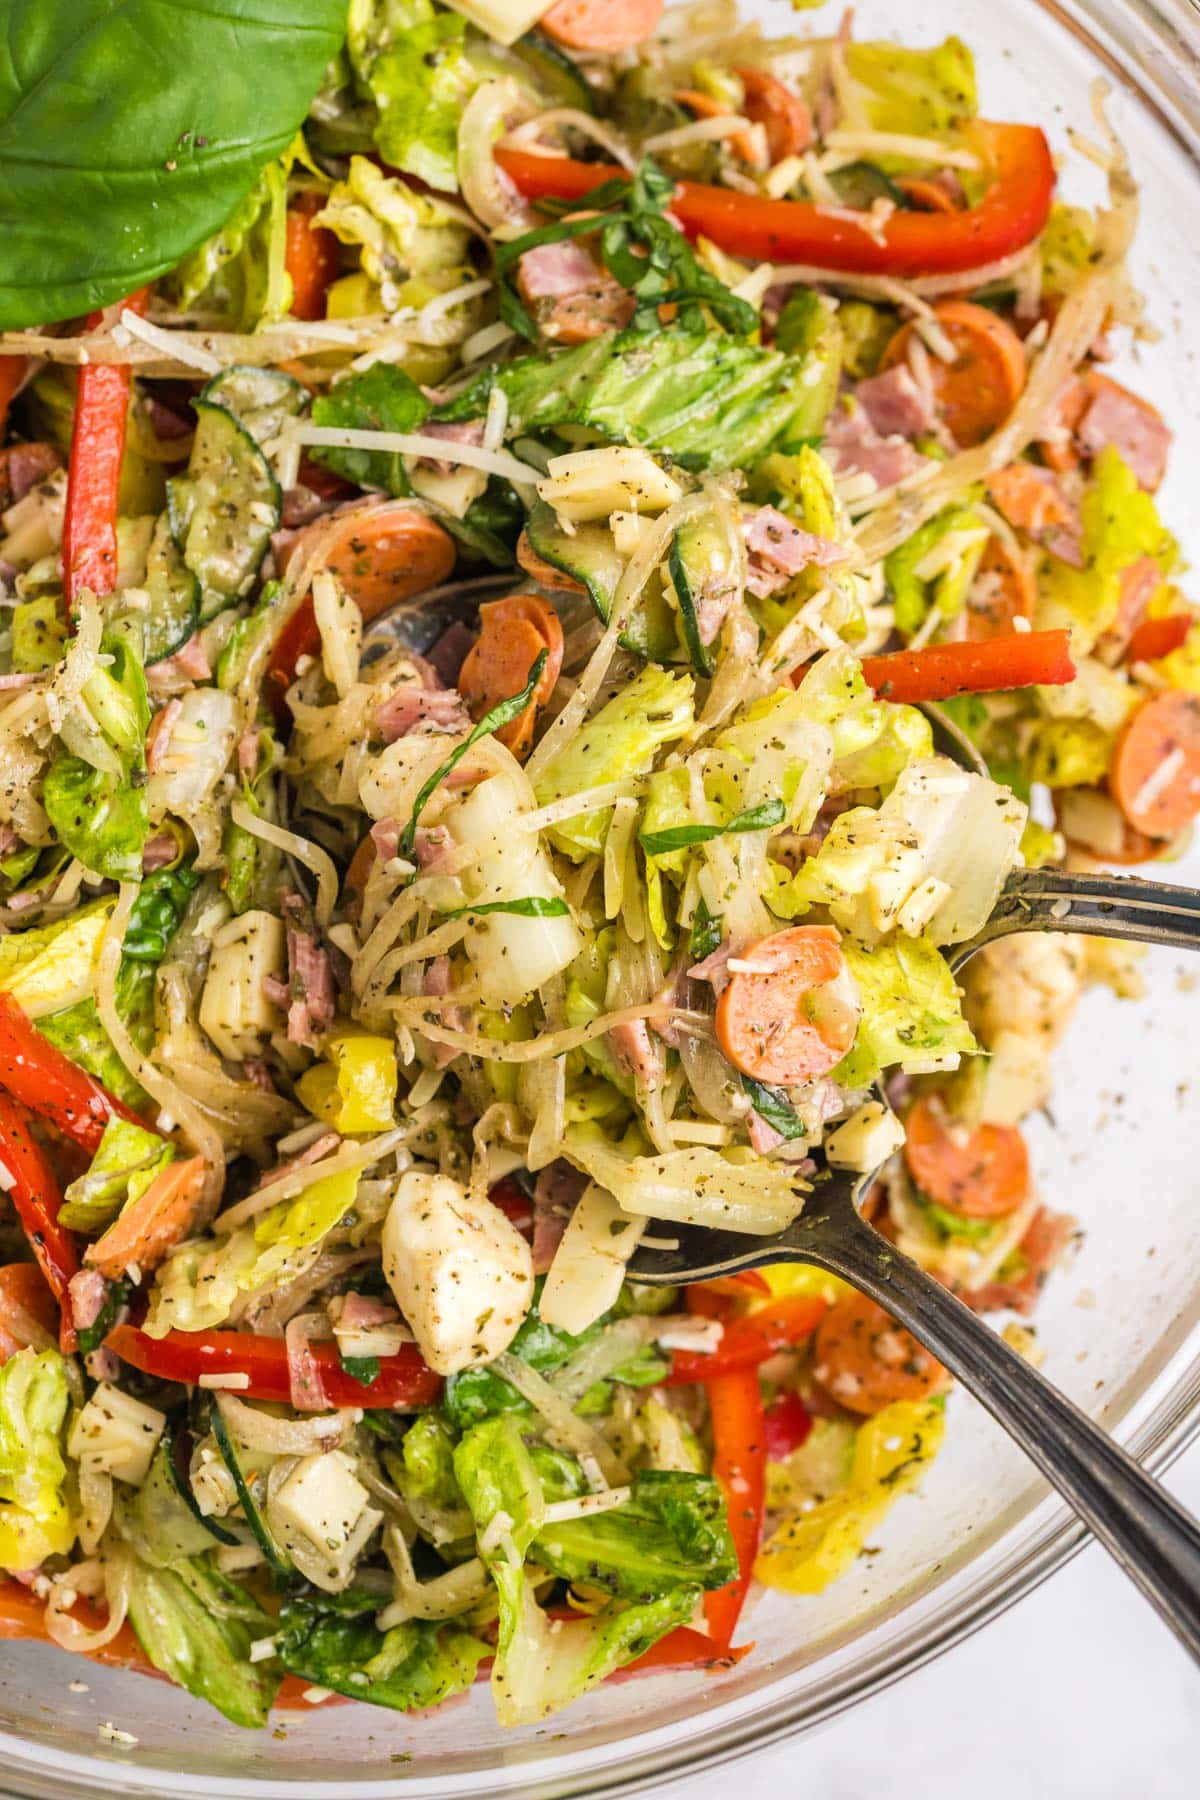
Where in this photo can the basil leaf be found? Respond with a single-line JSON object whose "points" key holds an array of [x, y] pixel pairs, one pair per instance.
{"points": [[535, 907], [501, 714], [707, 932], [363, 1369], [755, 818], [774, 1108], [129, 133]]}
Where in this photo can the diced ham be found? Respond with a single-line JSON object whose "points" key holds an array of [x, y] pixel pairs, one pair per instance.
{"points": [[159, 735], [895, 405], [569, 294], [413, 708], [22, 466], [636, 1053], [10, 840], [556, 1194], [361, 1312], [103, 1364], [1115, 416], [1041, 1249], [714, 967], [438, 981], [247, 752], [432, 845], [385, 835], [258, 1071], [159, 852], [323, 1145], [468, 431], [301, 506], [853, 447], [763, 1137], [778, 550], [87, 1292], [310, 991], [175, 673]]}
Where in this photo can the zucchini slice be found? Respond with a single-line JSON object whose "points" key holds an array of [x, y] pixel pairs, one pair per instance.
{"points": [[224, 511], [262, 400], [589, 554], [174, 597], [860, 184], [701, 568], [278, 1561]]}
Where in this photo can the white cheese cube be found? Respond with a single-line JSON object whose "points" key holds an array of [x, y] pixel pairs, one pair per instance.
{"points": [[322, 1499], [866, 1139], [234, 1008], [116, 1434]]}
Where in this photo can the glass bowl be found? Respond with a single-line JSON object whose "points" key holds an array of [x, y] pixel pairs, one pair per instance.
{"points": [[1121, 1325]]}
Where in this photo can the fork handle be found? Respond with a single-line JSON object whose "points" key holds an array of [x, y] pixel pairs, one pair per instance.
{"points": [[1151, 1536]]}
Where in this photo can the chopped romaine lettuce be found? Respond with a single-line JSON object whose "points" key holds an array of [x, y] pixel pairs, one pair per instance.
{"points": [[915, 590], [620, 740], [404, 237], [918, 93], [1120, 525], [409, 57], [334, 1642], [709, 400], [381, 398], [672, 1530], [35, 1521], [239, 272], [197, 1627], [95, 792], [912, 1011], [126, 1162]]}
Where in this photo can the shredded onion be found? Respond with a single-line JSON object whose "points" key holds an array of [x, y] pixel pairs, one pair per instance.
{"points": [[284, 1437], [562, 1425], [303, 849], [354, 1155], [493, 109], [89, 1580]]}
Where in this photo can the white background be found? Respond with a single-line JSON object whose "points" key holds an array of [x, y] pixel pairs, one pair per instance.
{"points": [[1079, 1691]]}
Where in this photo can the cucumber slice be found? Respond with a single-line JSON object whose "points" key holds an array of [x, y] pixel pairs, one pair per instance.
{"points": [[278, 1561], [262, 400], [174, 593], [224, 511], [589, 554], [860, 184], [559, 78], [182, 1487]]}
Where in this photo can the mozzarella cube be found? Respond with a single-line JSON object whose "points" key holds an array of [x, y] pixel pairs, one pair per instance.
{"points": [[322, 1499], [462, 1274], [234, 1008], [116, 1435], [591, 484], [866, 1139]]}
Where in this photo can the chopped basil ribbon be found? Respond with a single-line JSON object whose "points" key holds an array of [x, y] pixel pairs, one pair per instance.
{"points": [[501, 714], [755, 818], [774, 1108], [537, 906]]}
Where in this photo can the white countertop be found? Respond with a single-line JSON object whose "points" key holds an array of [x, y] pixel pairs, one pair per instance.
{"points": [[1077, 1693]]}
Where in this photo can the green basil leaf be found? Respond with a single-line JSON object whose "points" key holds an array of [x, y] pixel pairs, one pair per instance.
{"points": [[363, 1369], [501, 714], [129, 133], [679, 837], [537, 906], [707, 931], [773, 1106]]}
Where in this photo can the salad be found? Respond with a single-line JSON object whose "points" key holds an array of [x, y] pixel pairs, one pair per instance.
{"points": [[373, 983]]}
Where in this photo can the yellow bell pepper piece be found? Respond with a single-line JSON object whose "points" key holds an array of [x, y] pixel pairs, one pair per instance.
{"points": [[355, 1088], [27, 1539], [891, 1451]]}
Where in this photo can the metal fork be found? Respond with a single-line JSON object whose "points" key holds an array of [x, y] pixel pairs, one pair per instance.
{"points": [[1149, 1534]]}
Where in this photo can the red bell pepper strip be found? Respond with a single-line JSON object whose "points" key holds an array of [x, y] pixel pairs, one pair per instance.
{"points": [[23, 1616], [1158, 637], [683, 1648], [1010, 215], [36, 1199], [740, 1466], [403, 1379], [786, 1425], [48, 1083], [89, 543], [751, 1339], [939, 671]]}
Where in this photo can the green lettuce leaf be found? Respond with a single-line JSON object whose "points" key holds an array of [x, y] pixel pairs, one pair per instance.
{"points": [[334, 1642], [673, 1530], [34, 1518], [98, 811], [912, 1010], [1120, 525], [410, 59], [381, 398], [709, 400], [197, 1627], [127, 1160]]}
